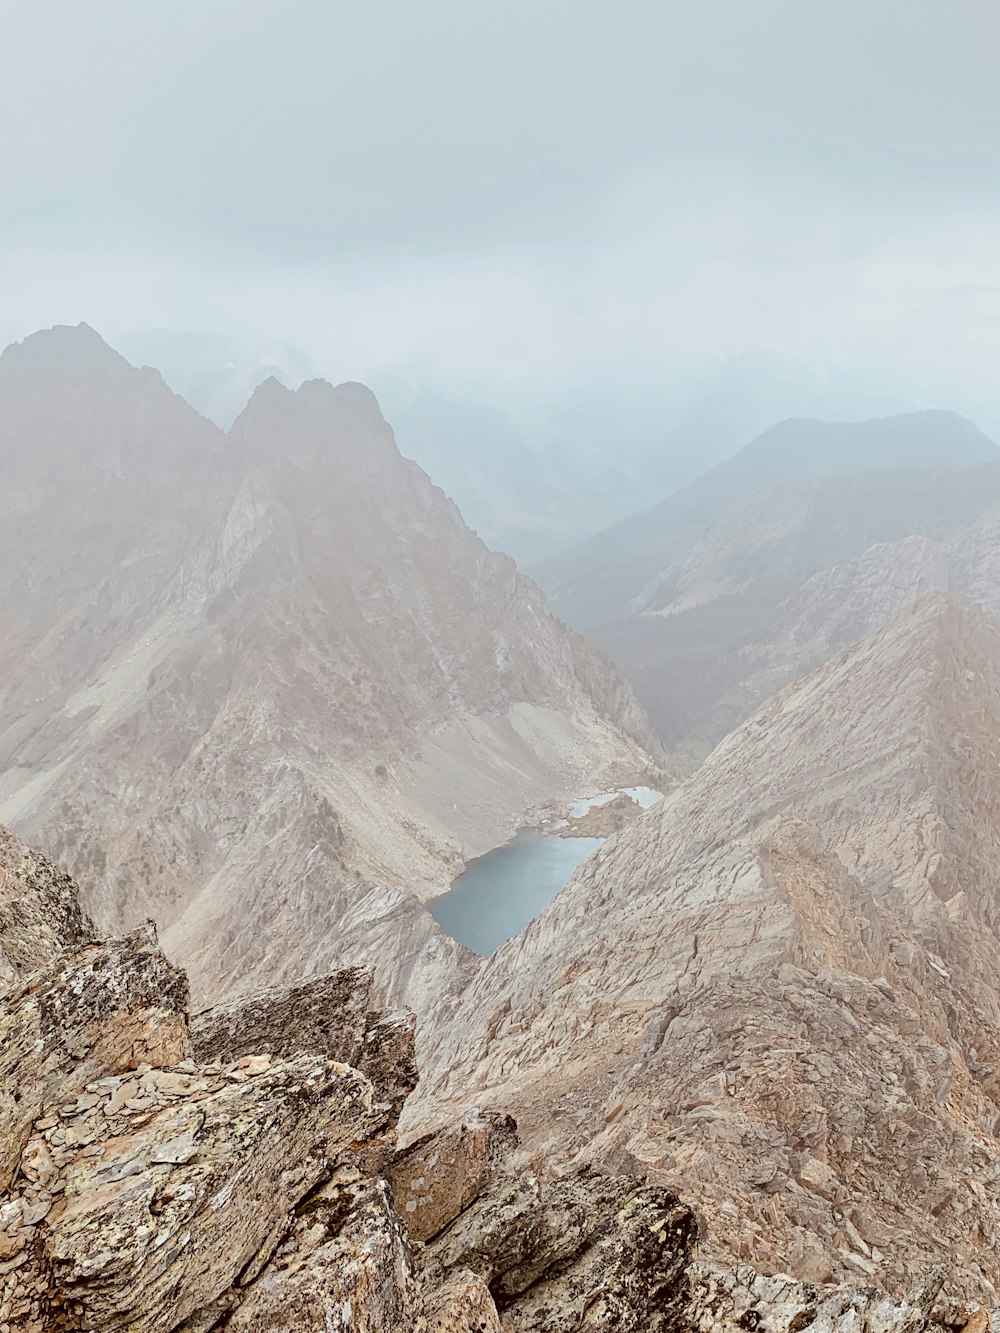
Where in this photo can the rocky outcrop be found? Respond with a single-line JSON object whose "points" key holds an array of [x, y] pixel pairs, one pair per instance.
{"points": [[588, 1250], [725, 1302], [345, 1264], [40, 911], [331, 1016], [147, 1185], [601, 820], [585, 1251], [94, 1011], [591, 1250], [227, 1173], [144, 1184], [443, 1173], [172, 1175]]}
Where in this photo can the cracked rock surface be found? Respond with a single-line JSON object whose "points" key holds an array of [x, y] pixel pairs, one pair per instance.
{"points": [[235, 1172], [232, 1171], [775, 993]]}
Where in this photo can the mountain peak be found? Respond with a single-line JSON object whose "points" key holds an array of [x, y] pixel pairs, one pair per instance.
{"points": [[317, 405], [806, 446], [350, 398], [271, 389], [65, 342]]}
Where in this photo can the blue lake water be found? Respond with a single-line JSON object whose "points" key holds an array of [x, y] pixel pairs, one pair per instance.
{"points": [[500, 892]]}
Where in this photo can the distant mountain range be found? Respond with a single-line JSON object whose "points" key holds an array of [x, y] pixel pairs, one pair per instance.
{"points": [[696, 597], [535, 472], [776, 992]]}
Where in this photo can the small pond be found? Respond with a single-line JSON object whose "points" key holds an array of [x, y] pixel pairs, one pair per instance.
{"points": [[499, 893]]}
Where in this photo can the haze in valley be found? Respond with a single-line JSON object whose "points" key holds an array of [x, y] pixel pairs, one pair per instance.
{"points": [[580, 251], [499, 667]]}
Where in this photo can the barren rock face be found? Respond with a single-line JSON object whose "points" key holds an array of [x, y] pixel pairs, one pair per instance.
{"points": [[587, 1251], [144, 1188], [267, 687], [775, 993], [440, 1175], [337, 1273], [158, 1189], [94, 1011], [328, 1016], [727, 1302], [211, 1166], [39, 910]]}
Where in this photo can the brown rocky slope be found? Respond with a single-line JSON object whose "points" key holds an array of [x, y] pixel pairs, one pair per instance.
{"points": [[776, 990], [267, 686], [236, 1170]]}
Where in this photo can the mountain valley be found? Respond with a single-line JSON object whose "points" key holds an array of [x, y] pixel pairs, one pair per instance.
{"points": [[266, 688], [499, 667], [776, 990], [696, 598]]}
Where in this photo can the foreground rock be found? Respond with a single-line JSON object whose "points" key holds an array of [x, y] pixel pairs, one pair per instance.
{"points": [[590, 1250], [162, 1174], [725, 1302], [332, 1016], [40, 910], [141, 1185]]}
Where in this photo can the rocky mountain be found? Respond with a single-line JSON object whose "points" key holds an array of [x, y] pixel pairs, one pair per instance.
{"points": [[595, 582], [539, 470], [689, 596], [841, 604], [215, 373], [267, 686], [775, 992], [237, 1169]]}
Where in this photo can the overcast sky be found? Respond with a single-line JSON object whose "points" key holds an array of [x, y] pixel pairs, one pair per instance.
{"points": [[532, 195]]}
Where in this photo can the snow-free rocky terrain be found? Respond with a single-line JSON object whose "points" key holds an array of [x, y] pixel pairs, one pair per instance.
{"points": [[760, 570], [237, 1169], [267, 687], [776, 992]]}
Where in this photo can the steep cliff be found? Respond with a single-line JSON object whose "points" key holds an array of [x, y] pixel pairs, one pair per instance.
{"points": [[268, 687]]}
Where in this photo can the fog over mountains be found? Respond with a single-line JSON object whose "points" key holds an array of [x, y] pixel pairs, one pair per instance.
{"points": [[499, 667], [269, 676], [266, 687], [717, 596], [533, 475]]}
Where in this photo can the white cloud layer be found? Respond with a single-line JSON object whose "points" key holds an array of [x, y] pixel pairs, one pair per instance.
{"points": [[525, 200]]}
